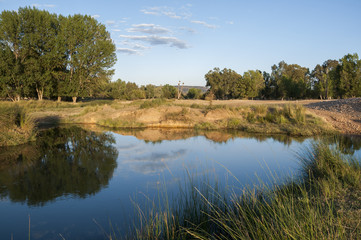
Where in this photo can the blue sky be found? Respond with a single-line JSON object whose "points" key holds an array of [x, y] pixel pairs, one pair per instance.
{"points": [[162, 42]]}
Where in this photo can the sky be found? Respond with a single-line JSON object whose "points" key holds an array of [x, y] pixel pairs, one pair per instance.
{"points": [[166, 41]]}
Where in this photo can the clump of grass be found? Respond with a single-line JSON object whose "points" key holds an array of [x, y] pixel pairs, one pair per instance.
{"points": [[119, 123], [324, 204], [16, 126], [153, 103], [178, 116], [195, 105]]}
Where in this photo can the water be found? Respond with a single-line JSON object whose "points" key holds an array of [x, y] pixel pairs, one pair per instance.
{"points": [[73, 182]]}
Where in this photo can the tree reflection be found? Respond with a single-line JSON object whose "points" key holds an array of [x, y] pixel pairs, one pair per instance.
{"points": [[64, 161]]}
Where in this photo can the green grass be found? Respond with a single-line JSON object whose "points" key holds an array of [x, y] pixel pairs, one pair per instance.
{"points": [[16, 127], [323, 204]]}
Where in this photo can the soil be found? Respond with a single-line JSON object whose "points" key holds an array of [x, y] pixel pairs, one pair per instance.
{"points": [[343, 114]]}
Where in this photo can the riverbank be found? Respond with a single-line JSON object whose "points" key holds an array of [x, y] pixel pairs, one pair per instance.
{"points": [[267, 117], [263, 117]]}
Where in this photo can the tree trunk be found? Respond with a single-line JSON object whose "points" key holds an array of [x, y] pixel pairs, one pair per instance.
{"points": [[74, 99], [59, 99], [40, 94]]}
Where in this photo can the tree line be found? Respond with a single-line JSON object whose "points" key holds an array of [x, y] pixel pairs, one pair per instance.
{"points": [[333, 79], [49, 55]]}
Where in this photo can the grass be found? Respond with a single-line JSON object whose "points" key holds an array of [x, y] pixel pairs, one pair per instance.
{"points": [[119, 123], [153, 103], [323, 204], [16, 126], [288, 119]]}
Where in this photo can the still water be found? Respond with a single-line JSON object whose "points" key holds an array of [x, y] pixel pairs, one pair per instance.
{"points": [[73, 182]]}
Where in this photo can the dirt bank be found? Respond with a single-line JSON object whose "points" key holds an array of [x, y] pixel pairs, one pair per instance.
{"points": [[342, 114]]}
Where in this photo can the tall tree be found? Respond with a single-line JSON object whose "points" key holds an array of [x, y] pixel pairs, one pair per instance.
{"points": [[223, 83], [350, 76], [293, 81], [90, 55], [251, 84], [323, 80], [40, 37], [12, 56]]}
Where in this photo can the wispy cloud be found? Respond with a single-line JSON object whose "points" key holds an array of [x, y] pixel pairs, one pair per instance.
{"points": [[110, 22], [148, 28], [161, 11], [96, 16], [159, 40], [128, 51], [204, 24], [230, 22], [37, 5], [154, 162], [187, 29], [116, 30]]}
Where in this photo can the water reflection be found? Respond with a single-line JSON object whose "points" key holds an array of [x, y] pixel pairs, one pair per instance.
{"points": [[64, 161], [156, 136]]}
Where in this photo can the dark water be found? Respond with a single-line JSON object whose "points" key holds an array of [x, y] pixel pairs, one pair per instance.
{"points": [[73, 182]]}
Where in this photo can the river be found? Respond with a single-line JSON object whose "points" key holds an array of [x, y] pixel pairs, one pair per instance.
{"points": [[77, 183]]}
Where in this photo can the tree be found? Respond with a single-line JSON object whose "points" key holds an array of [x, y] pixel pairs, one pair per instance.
{"points": [[350, 76], [251, 84], [116, 90], [322, 78], [169, 91], [40, 32], [293, 81], [12, 56], [150, 91], [90, 55], [223, 83], [194, 93]]}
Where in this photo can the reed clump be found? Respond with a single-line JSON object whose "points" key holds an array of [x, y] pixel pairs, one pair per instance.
{"points": [[16, 126]]}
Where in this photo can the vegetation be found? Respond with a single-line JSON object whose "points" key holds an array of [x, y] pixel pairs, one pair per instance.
{"points": [[323, 204], [334, 79], [16, 126], [42, 54]]}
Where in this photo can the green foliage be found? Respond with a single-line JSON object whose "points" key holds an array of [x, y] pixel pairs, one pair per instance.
{"points": [[223, 83], [169, 91], [42, 54], [251, 84], [194, 93]]}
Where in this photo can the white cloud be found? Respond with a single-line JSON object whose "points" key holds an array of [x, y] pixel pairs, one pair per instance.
{"points": [[95, 16], [189, 30], [161, 11], [148, 28], [110, 22], [230, 22], [158, 40], [128, 51], [116, 30], [204, 24], [37, 5]]}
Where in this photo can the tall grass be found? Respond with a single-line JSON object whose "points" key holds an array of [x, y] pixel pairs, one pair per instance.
{"points": [[16, 126], [323, 204]]}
